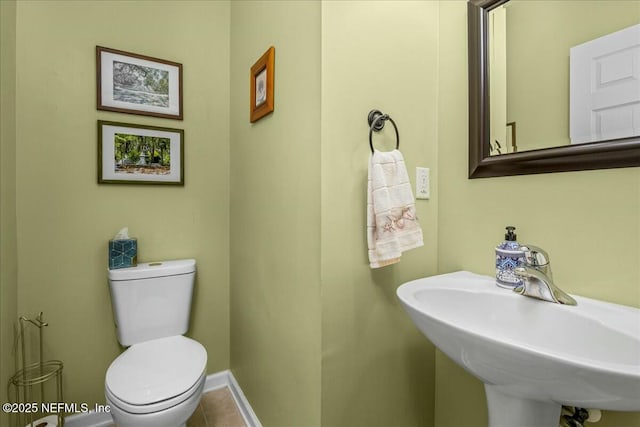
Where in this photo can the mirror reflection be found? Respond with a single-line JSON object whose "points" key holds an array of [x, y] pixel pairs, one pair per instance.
{"points": [[563, 72]]}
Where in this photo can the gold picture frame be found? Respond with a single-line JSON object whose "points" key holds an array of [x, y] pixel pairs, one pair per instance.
{"points": [[262, 81]]}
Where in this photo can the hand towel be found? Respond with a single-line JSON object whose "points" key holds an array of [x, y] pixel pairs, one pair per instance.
{"points": [[392, 225]]}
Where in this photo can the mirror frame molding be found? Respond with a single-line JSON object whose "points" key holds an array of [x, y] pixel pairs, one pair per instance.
{"points": [[617, 153]]}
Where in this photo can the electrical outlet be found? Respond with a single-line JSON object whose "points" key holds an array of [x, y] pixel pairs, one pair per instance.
{"points": [[422, 183]]}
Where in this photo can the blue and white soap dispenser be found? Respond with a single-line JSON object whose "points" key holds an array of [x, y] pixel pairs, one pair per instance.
{"points": [[508, 257]]}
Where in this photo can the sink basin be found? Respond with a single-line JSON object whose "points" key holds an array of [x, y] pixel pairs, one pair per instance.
{"points": [[533, 356]]}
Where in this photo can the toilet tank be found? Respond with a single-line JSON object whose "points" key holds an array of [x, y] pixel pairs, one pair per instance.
{"points": [[152, 300]]}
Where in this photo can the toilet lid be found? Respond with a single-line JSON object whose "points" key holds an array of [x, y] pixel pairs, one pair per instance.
{"points": [[156, 370]]}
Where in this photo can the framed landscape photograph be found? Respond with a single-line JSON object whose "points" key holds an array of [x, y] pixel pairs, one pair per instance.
{"points": [[262, 86], [138, 84], [135, 154]]}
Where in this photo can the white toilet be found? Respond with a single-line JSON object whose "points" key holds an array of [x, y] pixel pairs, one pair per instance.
{"points": [[158, 380]]}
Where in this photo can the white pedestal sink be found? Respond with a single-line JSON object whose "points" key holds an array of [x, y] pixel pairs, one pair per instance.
{"points": [[533, 356]]}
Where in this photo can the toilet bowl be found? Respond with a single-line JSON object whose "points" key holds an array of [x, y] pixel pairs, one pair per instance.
{"points": [[158, 380], [156, 383]]}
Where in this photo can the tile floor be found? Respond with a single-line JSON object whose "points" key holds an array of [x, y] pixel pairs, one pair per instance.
{"points": [[216, 409]]}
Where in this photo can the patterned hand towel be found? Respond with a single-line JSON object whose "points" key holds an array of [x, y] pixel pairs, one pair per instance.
{"points": [[392, 226]]}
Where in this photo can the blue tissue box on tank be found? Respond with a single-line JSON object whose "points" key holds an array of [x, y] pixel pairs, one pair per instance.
{"points": [[123, 253]]}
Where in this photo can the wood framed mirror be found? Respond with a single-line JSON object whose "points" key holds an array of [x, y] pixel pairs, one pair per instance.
{"points": [[602, 154]]}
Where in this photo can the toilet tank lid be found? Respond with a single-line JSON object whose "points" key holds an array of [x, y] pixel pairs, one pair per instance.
{"points": [[149, 270]]}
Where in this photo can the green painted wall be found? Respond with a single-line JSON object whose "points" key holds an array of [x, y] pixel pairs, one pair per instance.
{"points": [[8, 242], [377, 370], [538, 60], [275, 214], [588, 221], [371, 353], [64, 218]]}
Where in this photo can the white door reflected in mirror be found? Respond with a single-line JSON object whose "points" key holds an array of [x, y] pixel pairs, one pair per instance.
{"points": [[605, 87]]}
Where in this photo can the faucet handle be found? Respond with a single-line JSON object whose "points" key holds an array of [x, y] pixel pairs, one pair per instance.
{"points": [[534, 256]]}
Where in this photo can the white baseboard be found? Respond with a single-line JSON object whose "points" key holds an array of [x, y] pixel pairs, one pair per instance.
{"points": [[89, 419], [226, 379], [212, 382]]}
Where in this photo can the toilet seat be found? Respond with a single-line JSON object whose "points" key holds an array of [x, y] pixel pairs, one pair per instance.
{"points": [[157, 406], [157, 374]]}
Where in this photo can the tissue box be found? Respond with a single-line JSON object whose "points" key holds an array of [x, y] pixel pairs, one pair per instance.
{"points": [[123, 253]]}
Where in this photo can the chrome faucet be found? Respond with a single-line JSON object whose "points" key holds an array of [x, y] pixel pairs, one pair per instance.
{"points": [[536, 277]]}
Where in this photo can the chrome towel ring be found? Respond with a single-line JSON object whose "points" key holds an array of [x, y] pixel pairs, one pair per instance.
{"points": [[376, 121]]}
